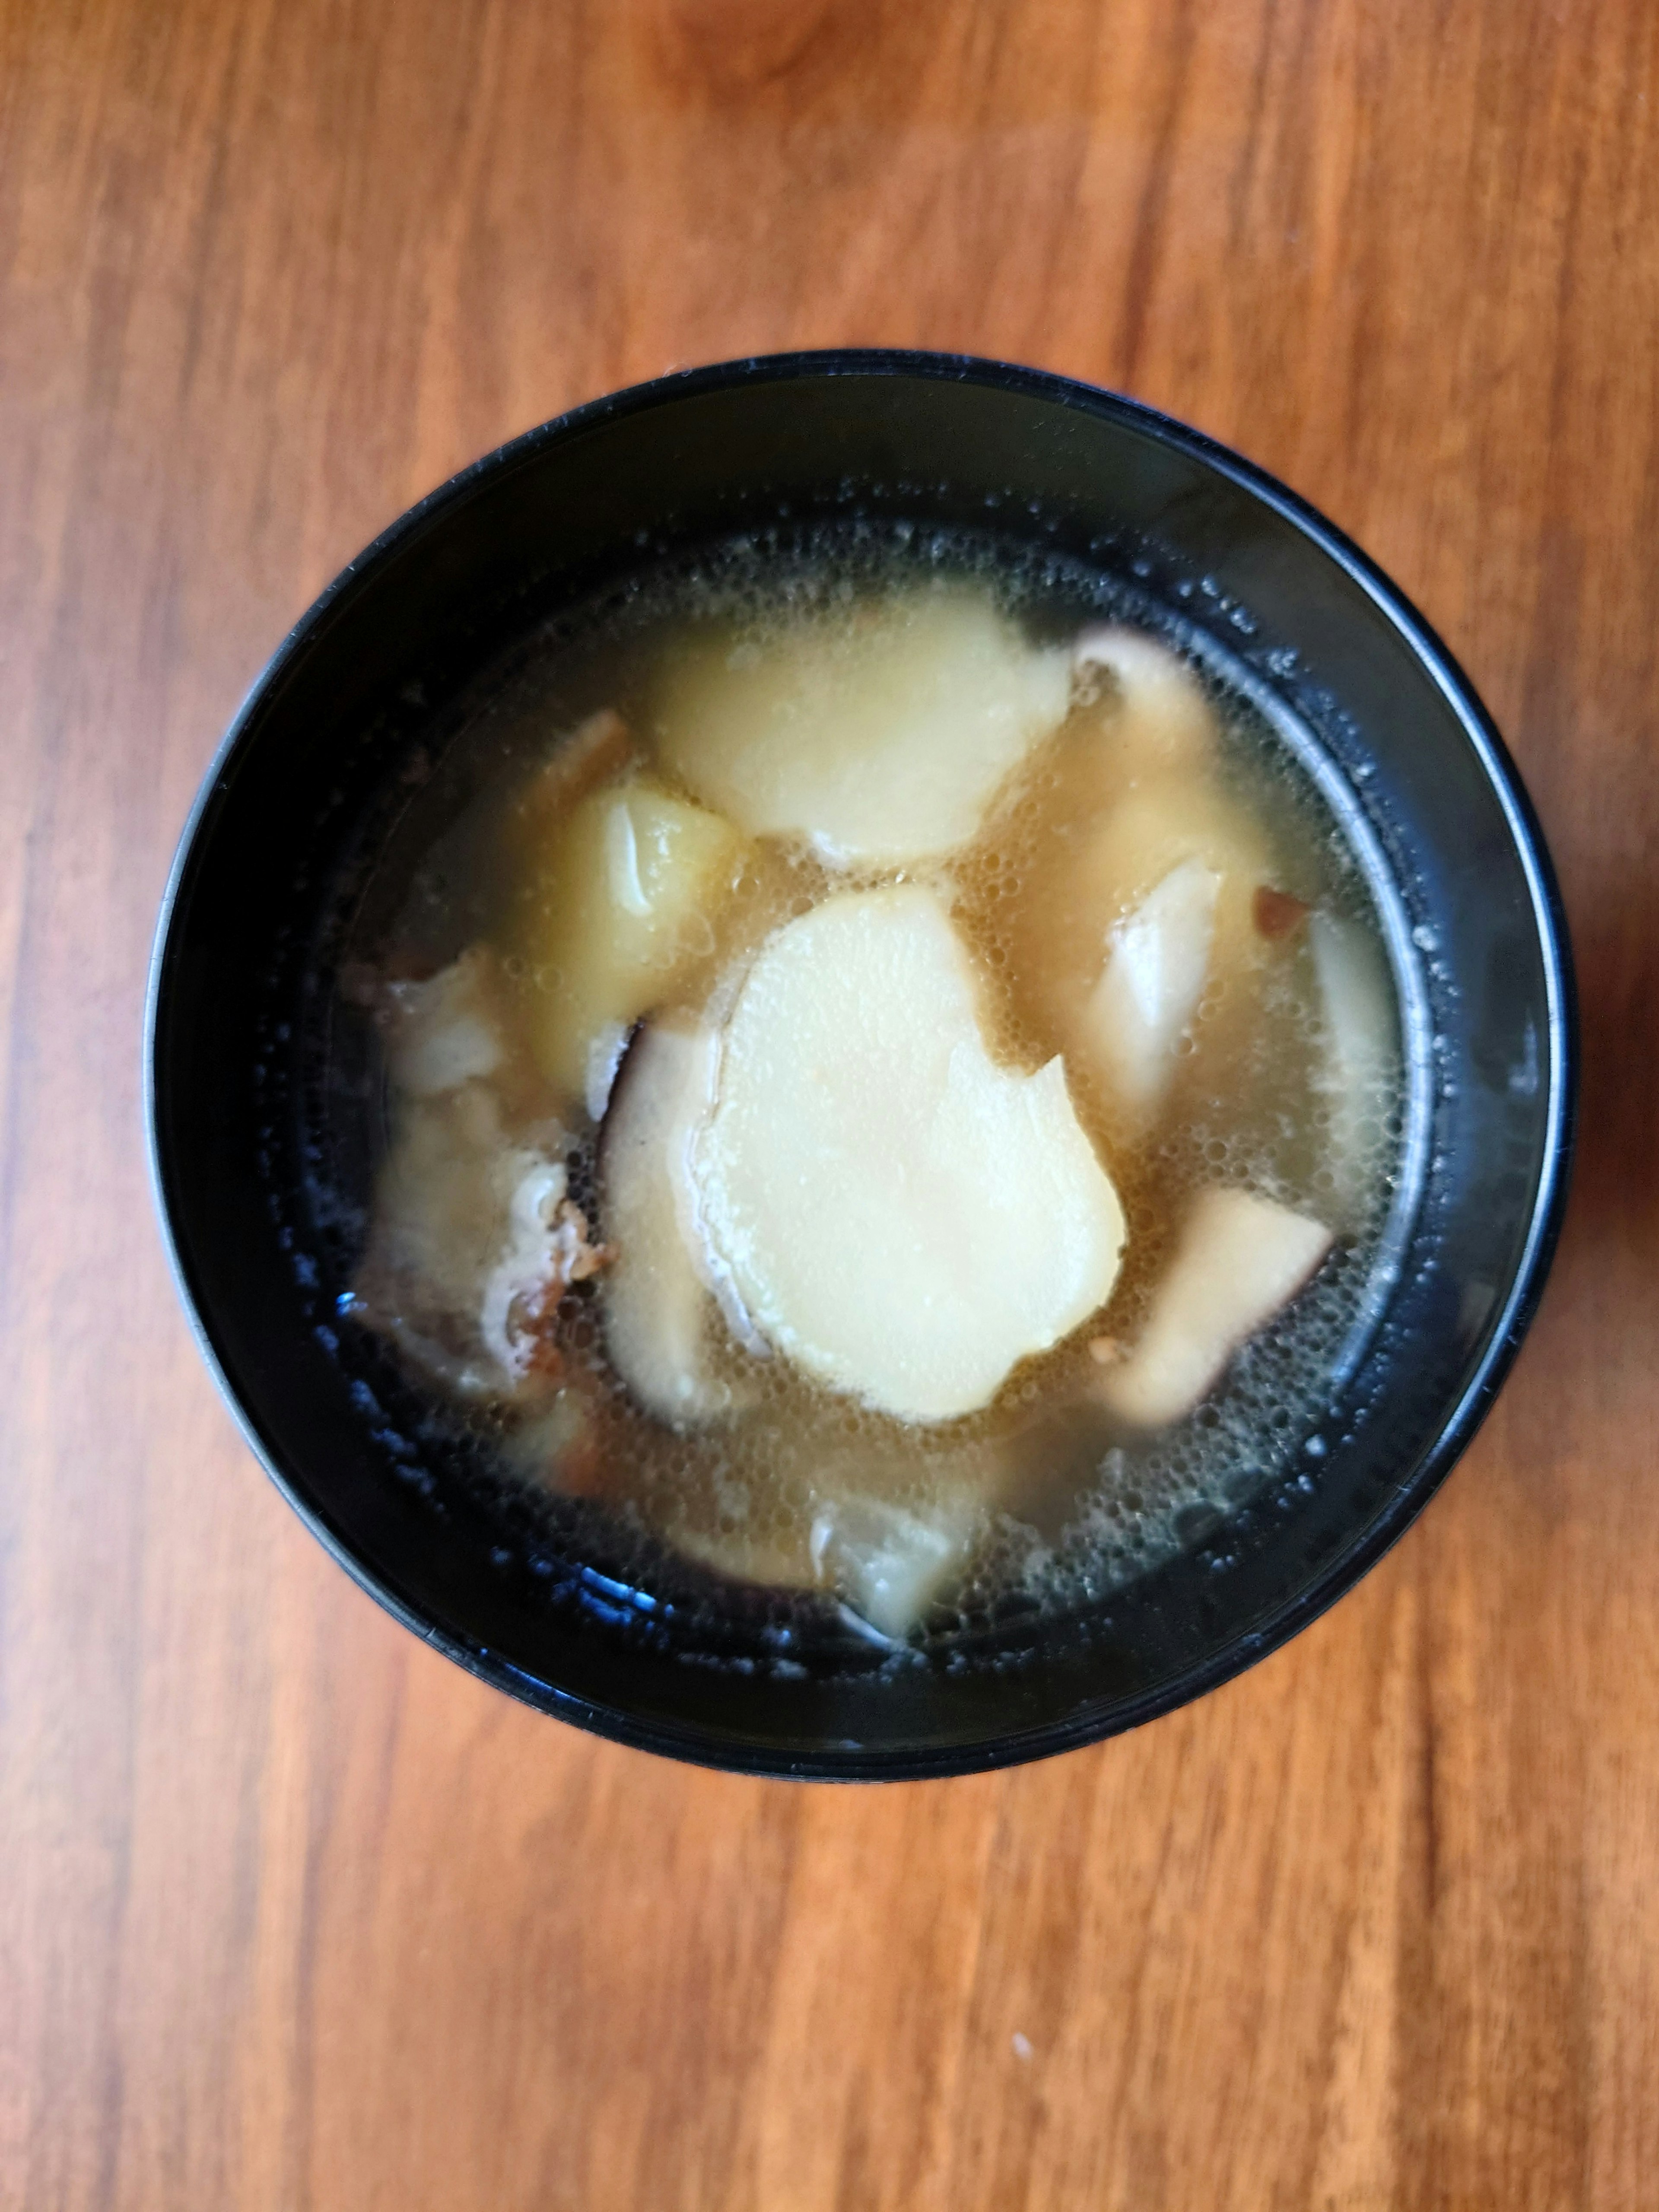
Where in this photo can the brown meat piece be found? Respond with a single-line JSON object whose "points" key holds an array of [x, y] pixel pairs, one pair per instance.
{"points": [[1276, 914]]}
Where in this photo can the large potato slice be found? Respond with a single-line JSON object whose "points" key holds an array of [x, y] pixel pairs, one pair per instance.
{"points": [[902, 1216], [877, 732]]}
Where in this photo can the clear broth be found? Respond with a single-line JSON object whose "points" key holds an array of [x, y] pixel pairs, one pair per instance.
{"points": [[1070, 1503]]}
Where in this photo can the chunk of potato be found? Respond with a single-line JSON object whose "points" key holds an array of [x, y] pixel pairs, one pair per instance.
{"points": [[864, 1530], [898, 1214], [596, 752], [877, 732], [616, 910]]}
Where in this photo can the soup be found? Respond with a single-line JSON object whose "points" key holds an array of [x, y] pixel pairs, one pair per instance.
{"points": [[891, 1078]]}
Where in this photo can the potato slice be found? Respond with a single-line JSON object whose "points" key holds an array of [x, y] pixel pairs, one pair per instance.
{"points": [[659, 1312], [1240, 1260], [618, 910], [877, 732], [898, 1214]]}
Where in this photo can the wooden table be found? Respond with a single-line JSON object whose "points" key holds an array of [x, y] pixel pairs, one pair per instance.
{"points": [[292, 1914]]}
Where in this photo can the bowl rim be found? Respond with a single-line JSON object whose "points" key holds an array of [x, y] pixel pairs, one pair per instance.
{"points": [[730, 1752]]}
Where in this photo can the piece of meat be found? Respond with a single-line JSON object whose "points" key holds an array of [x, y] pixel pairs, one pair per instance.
{"points": [[1276, 914], [444, 1031], [561, 1444], [547, 1249], [473, 1242]]}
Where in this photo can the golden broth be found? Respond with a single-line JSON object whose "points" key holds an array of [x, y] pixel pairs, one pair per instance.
{"points": [[1044, 1490]]}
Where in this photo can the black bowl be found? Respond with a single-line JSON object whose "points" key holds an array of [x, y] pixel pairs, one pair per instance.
{"points": [[1387, 725]]}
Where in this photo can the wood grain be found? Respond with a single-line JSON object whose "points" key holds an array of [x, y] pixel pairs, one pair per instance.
{"points": [[292, 1914]]}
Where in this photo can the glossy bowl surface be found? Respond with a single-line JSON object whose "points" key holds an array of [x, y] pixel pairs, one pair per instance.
{"points": [[1385, 722]]}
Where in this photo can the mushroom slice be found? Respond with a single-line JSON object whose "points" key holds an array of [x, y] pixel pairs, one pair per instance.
{"points": [[1240, 1260], [659, 1314], [878, 732], [1157, 963], [1143, 869], [900, 1216], [1360, 1071], [1163, 718], [887, 1562]]}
